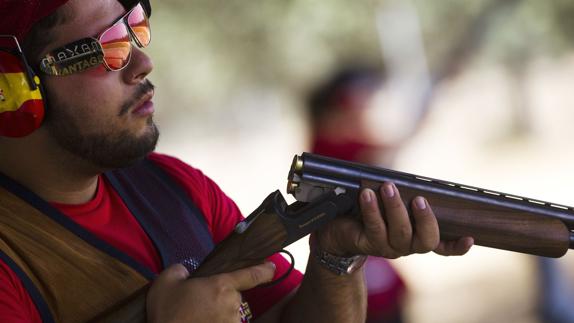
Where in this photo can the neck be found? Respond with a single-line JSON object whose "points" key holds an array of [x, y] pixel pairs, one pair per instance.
{"points": [[47, 170]]}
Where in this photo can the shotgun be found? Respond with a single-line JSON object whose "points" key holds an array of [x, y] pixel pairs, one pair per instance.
{"points": [[325, 188]]}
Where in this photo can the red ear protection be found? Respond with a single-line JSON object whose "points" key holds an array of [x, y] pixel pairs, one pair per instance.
{"points": [[21, 102]]}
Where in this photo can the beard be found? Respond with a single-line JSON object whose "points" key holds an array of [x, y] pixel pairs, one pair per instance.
{"points": [[110, 150]]}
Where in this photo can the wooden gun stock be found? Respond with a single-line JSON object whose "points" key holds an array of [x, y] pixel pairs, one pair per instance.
{"points": [[493, 226], [266, 231], [493, 219]]}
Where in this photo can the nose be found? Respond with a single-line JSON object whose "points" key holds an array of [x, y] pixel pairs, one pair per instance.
{"points": [[139, 67]]}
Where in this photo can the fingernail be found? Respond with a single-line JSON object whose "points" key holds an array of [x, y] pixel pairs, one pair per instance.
{"points": [[389, 189], [182, 271], [420, 203], [367, 195], [469, 244], [271, 264]]}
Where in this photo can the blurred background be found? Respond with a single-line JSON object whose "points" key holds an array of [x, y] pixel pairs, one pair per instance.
{"points": [[475, 92]]}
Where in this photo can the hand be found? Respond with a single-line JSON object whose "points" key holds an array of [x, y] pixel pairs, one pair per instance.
{"points": [[174, 298], [391, 235]]}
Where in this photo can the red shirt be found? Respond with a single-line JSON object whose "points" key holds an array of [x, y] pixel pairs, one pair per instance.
{"points": [[108, 218]]}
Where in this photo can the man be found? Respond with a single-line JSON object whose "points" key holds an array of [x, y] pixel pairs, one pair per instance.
{"points": [[104, 215]]}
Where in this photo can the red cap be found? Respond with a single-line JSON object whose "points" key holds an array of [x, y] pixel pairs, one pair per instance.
{"points": [[18, 16]]}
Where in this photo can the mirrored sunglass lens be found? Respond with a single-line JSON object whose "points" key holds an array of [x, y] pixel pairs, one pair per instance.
{"points": [[138, 21], [116, 45]]}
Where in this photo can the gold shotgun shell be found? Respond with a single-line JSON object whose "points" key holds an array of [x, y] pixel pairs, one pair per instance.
{"points": [[297, 165]]}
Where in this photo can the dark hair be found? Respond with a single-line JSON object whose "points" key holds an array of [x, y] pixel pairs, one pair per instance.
{"points": [[41, 35], [322, 98]]}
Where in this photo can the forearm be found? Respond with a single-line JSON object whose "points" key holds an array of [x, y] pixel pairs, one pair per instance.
{"points": [[326, 297]]}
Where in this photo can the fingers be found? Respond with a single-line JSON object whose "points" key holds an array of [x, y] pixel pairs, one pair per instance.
{"points": [[396, 234], [427, 237], [174, 298], [173, 275], [251, 277], [375, 229], [398, 222], [158, 309], [392, 234], [455, 247]]}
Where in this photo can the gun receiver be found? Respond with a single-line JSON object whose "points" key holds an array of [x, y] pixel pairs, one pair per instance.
{"points": [[493, 219]]}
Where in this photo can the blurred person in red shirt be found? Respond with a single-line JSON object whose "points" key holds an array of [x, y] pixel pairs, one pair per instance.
{"points": [[338, 111]]}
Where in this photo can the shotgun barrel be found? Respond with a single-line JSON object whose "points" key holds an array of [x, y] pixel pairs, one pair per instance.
{"points": [[494, 219]]}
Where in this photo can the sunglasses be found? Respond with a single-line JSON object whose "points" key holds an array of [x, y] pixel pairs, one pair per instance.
{"points": [[113, 47]]}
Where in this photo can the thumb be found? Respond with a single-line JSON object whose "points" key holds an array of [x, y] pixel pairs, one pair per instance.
{"points": [[172, 274]]}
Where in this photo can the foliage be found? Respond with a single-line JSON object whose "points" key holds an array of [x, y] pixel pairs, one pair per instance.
{"points": [[223, 46]]}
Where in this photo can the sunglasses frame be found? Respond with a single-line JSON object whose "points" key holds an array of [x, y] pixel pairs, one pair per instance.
{"points": [[124, 19], [48, 64]]}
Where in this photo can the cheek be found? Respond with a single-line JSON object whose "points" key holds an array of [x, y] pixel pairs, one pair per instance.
{"points": [[92, 99], [92, 87], [96, 72]]}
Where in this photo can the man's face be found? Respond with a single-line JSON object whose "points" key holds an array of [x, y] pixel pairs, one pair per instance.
{"points": [[104, 117]]}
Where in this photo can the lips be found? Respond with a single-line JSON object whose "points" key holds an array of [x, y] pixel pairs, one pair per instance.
{"points": [[144, 106]]}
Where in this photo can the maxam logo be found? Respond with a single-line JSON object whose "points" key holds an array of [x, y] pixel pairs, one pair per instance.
{"points": [[82, 47], [76, 57]]}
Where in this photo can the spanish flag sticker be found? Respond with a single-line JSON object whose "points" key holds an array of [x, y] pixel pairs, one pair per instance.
{"points": [[21, 108]]}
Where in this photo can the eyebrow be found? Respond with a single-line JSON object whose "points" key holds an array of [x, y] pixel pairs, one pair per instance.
{"points": [[65, 16]]}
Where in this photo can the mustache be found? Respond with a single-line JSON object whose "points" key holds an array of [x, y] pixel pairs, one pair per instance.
{"points": [[141, 90]]}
